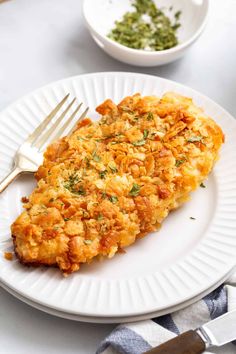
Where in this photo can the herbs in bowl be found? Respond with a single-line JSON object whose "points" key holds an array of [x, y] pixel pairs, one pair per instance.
{"points": [[147, 27], [145, 32]]}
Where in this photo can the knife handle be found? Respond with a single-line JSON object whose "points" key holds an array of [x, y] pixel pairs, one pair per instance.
{"points": [[187, 343]]}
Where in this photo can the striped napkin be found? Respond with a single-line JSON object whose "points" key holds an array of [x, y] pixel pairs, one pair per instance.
{"points": [[138, 337]]}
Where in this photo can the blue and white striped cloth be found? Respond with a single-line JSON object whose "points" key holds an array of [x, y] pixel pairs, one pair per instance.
{"points": [[138, 337]]}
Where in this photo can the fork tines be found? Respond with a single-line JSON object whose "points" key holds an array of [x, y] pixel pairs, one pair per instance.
{"points": [[50, 130]]}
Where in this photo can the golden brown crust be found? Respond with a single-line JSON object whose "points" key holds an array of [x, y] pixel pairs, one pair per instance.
{"points": [[115, 180], [8, 256]]}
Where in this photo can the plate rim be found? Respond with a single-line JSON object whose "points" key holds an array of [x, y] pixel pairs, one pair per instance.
{"points": [[117, 320], [171, 82]]}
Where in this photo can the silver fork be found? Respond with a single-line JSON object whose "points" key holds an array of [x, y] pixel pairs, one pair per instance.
{"points": [[30, 154]]}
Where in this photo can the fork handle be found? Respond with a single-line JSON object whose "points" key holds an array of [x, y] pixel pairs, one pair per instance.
{"points": [[9, 178]]}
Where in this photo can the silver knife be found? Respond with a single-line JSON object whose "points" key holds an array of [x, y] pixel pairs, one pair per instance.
{"points": [[216, 333]]}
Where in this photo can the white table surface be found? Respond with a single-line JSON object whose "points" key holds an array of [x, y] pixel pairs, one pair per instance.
{"points": [[46, 40]]}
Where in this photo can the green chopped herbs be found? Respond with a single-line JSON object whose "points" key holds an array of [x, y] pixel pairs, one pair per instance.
{"points": [[177, 15], [88, 242], [87, 161], [100, 217], [71, 185], [113, 199], [51, 200], [71, 182], [85, 214], [80, 138], [202, 185], [104, 195], [96, 157], [80, 191], [194, 139], [135, 190], [150, 116], [139, 142], [66, 219], [147, 27], [142, 141], [179, 162], [145, 133], [113, 169], [102, 174]]}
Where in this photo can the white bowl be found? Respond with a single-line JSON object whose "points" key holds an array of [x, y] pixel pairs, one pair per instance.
{"points": [[100, 16]]}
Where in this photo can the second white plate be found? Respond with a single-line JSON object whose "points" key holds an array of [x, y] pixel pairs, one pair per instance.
{"points": [[184, 259]]}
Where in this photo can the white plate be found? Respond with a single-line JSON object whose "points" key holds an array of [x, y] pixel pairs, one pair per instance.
{"points": [[163, 270], [107, 320], [100, 17]]}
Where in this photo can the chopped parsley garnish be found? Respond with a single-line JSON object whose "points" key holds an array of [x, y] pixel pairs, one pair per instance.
{"points": [[179, 162], [100, 217], [139, 142], [102, 174], [66, 219], [113, 169], [113, 199], [135, 190], [202, 185], [147, 27], [87, 161], [71, 185], [177, 15], [85, 214], [192, 218], [104, 195], [51, 200], [194, 139], [142, 141], [80, 138], [145, 133], [80, 191], [150, 116], [96, 157], [88, 242], [72, 181]]}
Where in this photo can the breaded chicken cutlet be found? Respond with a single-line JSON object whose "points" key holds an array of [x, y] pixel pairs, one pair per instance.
{"points": [[113, 181]]}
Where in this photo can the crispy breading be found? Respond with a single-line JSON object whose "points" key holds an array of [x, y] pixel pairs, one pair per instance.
{"points": [[115, 180]]}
